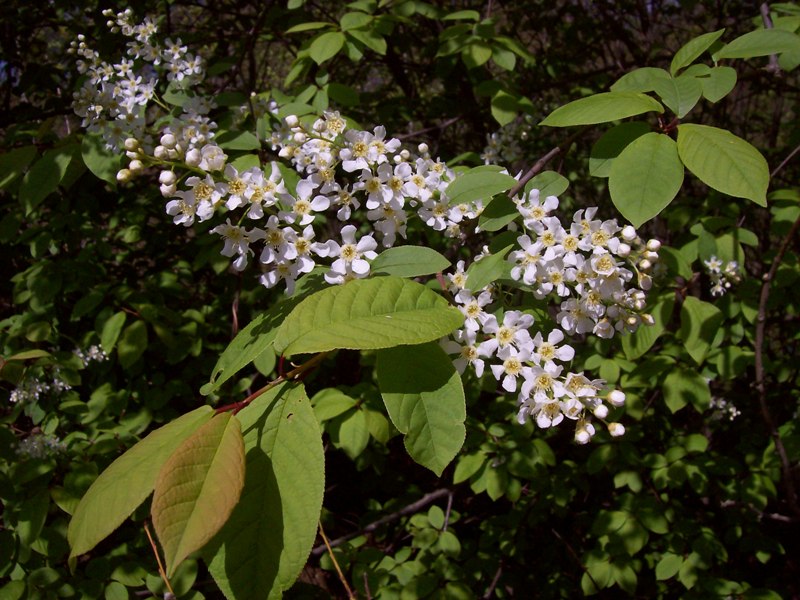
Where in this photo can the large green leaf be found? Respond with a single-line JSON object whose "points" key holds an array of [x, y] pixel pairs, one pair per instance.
{"points": [[100, 160], [680, 94], [640, 80], [639, 343], [409, 261], [480, 183], [14, 162], [686, 386], [645, 177], [326, 46], [699, 324], [761, 42], [367, 314], [198, 487], [692, 49], [611, 143], [132, 343], [267, 539], [425, 399], [724, 161], [549, 183], [126, 483], [488, 269], [719, 83], [602, 108], [44, 176]]}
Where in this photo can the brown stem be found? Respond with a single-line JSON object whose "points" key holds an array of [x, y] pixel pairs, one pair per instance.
{"points": [[540, 164], [350, 593], [773, 66]]}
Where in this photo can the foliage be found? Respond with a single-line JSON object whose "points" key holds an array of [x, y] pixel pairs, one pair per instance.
{"points": [[311, 402]]}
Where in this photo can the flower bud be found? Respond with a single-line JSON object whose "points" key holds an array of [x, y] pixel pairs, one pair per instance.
{"points": [[291, 120], [167, 178], [136, 165], [616, 397], [616, 429], [651, 256], [582, 436], [653, 245], [645, 264], [600, 411], [124, 175], [628, 233], [648, 319], [168, 141], [423, 148], [131, 144], [167, 190], [161, 153], [623, 250], [300, 137], [405, 154], [193, 157], [645, 282]]}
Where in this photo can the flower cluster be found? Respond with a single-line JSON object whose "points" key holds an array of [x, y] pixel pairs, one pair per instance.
{"points": [[32, 390], [341, 193], [504, 146], [40, 446], [722, 275], [93, 354], [723, 409]]}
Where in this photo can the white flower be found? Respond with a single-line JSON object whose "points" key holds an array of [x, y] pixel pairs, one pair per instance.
{"points": [[352, 256]]}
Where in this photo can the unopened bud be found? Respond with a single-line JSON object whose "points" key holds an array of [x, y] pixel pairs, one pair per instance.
{"points": [[123, 175], [136, 165], [423, 148], [651, 256], [300, 137], [645, 264], [168, 141], [616, 429], [161, 153], [167, 190], [648, 319], [131, 144], [645, 282], [193, 157], [167, 177], [600, 411], [616, 397], [623, 250], [653, 245], [292, 120], [582, 436], [628, 233]]}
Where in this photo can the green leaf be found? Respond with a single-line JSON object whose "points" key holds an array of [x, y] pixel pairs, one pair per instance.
{"points": [[505, 59], [724, 162], [549, 183], [479, 183], [101, 161], [645, 177], [111, 330], [354, 20], [668, 566], [44, 177], [640, 80], [330, 403], [498, 213], [326, 46], [699, 323], [504, 107], [470, 15], [425, 400], [267, 539], [367, 314], [686, 386], [126, 483], [476, 54], [719, 83], [409, 261], [132, 343], [13, 162], [198, 487], [234, 140], [761, 42], [639, 343], [251, 342], [488, 269], [371, 39], [602, 108], [692, 49], [32, 516], [311, 25], [28, 355], [680, 94], [611, 143], [353, 434]]}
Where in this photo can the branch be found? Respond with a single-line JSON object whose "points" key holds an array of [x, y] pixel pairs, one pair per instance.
{"points": [[406, 510], [760, 385], [540, 164], [773, 66]]}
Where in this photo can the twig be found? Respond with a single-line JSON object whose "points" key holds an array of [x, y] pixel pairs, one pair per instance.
{"points": [[773, 66], [336, 563], [784, 162], [161, 570], [443, 125], [490, 590], [447, 512], [406, 510], [540, 164], [760, 385], [574, 555]]}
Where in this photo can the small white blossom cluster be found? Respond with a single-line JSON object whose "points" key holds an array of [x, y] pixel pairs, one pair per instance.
{"points": [[94, 354], [40, 446], [32, 389], [114, 97], [722, 275], [590, 265], [526, 364], [503, 146], [723, 409]]}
